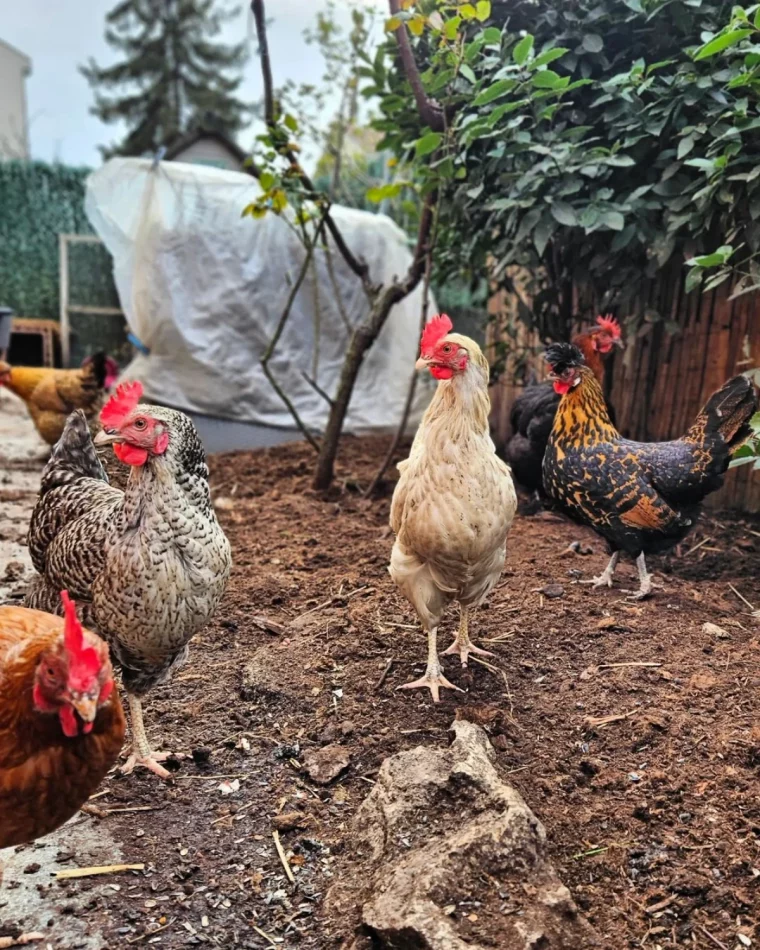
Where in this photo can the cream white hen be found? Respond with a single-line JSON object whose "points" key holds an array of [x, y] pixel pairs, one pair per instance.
{"points": [[455, 501]]}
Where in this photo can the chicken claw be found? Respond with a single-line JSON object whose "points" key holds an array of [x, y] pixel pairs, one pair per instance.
{"points": [[462, 644], [605, 578], [150, 761], [433, 681], [433, 678]]}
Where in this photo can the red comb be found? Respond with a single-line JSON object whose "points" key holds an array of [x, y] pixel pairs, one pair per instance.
{"points": [[123, 402], [610, 325], [84, 662], [437, 328]]}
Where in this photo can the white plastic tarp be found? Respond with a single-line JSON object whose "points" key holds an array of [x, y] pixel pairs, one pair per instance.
{"points": [[203, 289]]}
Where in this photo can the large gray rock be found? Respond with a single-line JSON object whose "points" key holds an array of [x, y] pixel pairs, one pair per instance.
{"points": [[455, 859]]}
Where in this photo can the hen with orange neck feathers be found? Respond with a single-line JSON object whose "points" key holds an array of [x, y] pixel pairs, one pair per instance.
{"points": [[454, 502], [641, 497], [150, 563], [61, 722]]}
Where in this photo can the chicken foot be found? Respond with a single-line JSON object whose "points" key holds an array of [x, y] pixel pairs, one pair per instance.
{"points": [[433, 678], [462, 644], [645, 579], [605, 578], [141, 753]]}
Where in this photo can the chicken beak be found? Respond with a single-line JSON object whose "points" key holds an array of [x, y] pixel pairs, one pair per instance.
{"points": [[422, 363], [104, 437], [86, 707]]}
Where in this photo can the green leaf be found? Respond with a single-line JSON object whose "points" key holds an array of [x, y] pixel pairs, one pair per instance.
{"points": [[451, 26], [391, 24], [427, 143], [593, 43], [483, 10], [547, 79], [492, 36], [522, 50], [291, 122], [564, 213], [614, 220], [379, 192], [467, 11], [693, 279], [756, 21], [267, 180], [685, 146], [543, 232], [548, 56], [469, 75], [711, 260], [499, 88], [719, 43]]}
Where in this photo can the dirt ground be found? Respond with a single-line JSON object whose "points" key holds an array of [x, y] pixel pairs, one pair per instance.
{"points": [[630, 729]]}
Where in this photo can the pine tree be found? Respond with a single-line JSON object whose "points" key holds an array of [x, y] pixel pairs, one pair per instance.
{"points": [[172, 77]]}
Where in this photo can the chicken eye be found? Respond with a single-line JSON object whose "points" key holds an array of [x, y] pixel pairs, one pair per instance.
{"points": [[447, 348], [139, 423]]}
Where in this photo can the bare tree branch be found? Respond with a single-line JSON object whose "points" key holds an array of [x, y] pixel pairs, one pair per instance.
{"points": [[413, 381], [357, 265], [278, 333], [430, 112]]}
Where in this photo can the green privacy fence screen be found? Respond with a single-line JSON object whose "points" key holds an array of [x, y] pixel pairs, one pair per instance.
{"points": [[37, 203]]}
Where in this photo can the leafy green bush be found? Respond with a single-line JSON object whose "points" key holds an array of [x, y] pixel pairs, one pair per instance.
{"points": [[591, 142]]}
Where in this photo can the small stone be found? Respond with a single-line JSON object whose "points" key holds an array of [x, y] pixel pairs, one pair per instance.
{"points": [[326, 764], [634, 777], [713, 630], [32, 868], [289, 820]]}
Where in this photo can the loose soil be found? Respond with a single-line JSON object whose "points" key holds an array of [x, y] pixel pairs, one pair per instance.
{"points": [[630, 729]]}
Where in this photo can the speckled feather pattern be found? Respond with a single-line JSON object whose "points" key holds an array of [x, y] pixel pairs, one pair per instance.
{"points": [[150, 564], [640, 496], [454, 502]]}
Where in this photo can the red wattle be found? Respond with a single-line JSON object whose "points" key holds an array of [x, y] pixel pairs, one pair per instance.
{"points": [[441, 372], [561, 388], [130, 454], [105, 692], [68, 721]]}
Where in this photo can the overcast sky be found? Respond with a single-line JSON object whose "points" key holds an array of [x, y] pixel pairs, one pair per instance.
{"points": [[58, 36]]}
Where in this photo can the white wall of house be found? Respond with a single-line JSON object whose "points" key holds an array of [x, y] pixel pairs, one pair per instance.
{"points": [[14, 128]]}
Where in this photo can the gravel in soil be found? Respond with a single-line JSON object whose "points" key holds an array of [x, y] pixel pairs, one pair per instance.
{"points": [[630, 728]]}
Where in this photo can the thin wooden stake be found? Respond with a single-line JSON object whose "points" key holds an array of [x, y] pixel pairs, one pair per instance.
{"points": [[283, 858], [707, 934], [619, 666], [384, 674], [741, 597], [93, 871]]}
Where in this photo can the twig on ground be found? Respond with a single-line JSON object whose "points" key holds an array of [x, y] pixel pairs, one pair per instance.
{"points": [[741, 597], [384, 674], [21, 941], [707, 934], [620, 666], [263, 934], [233, 817], [697, 546], [95, 871], [606, 720], [152, 933], [660, 905], [331, 600], [283, 858]]}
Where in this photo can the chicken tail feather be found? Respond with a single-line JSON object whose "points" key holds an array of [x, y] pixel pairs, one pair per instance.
{"points": [[726, 413], [73, 456]]}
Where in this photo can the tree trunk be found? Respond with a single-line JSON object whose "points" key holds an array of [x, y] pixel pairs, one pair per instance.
{"points": [[361, 341]]}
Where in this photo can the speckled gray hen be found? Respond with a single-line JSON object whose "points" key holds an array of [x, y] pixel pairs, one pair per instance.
{"points": [[150, 563]]}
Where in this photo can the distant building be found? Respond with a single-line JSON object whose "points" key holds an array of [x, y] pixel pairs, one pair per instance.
{"points": [[206, 146], [14, 125]]}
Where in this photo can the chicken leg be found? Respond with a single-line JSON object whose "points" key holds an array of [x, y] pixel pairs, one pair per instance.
{"points": [[462, 644], [645, 579], [433, 678], [605, 578], [141, 752]]}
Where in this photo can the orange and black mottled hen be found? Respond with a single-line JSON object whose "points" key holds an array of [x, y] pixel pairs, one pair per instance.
{"points": [[61, 722], [641, 497], [533, 411]]}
